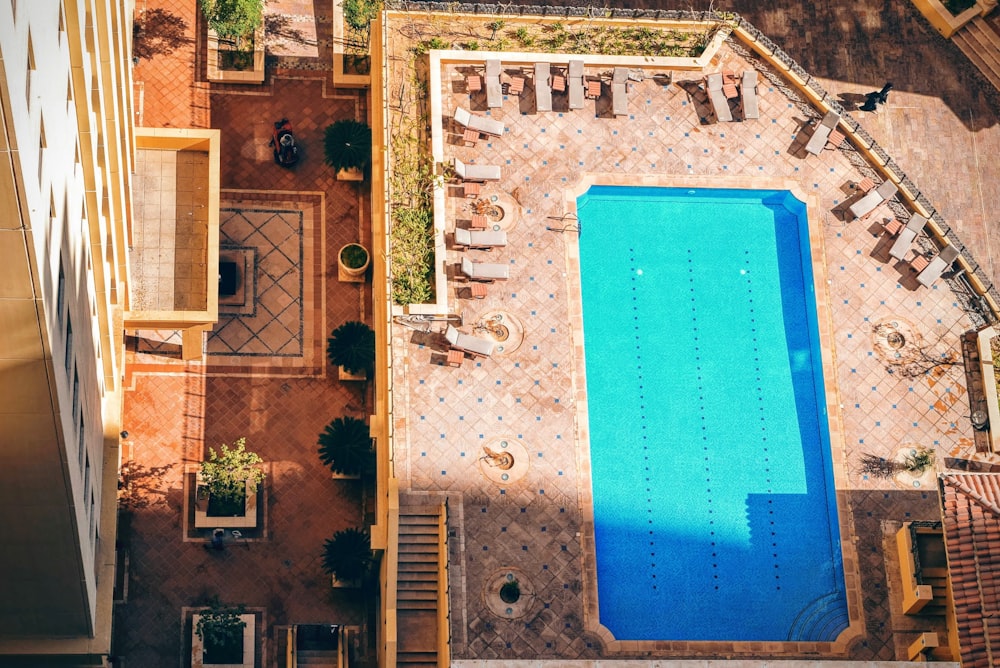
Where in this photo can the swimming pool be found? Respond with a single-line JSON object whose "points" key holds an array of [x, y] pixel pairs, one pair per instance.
{"points": [[714, 506]]}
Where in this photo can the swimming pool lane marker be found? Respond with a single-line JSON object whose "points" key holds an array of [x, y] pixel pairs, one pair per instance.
{"points": [[642, 412]]}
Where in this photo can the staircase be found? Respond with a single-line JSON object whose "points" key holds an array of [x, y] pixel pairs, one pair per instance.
{"points": [[418, 588], [979, 40]]}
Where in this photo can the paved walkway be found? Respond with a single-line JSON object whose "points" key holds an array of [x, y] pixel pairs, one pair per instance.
{"points": [[527, 397], [266, 375]]}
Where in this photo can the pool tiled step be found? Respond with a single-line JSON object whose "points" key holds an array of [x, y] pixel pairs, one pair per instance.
{"points": [[418, 585]]}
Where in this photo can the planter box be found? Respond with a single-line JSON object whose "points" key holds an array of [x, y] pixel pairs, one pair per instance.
{"points": [[249, 642], [252, 75], [347, 375], [947, 23], [351, 174], [352, 274], [202, 520]]}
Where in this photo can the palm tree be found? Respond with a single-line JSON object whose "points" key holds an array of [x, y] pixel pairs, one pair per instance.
{"points": [[347, 144], [346, 447], [348, 555], [352, 346]]}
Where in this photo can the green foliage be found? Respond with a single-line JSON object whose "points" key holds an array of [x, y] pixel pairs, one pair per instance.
{"points": [[359, 13], [524, 36], [346, 447], [411, 258], [352, 346], [495, 26], [233, 19], [920, 460], [231, 473], [510, 591], [354, 256], [221, 623], [432, 44], [348, 555], [471, 45], [347, 144]]}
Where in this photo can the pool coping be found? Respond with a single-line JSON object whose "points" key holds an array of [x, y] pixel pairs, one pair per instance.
{"points": [[838, 449]]}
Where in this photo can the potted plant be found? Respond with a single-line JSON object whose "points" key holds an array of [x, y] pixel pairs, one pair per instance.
{"points": [[346, 447], [231, 476], [220, 631], [235, 40], [233, 19], [352, 263], [347, 146], [348, 557], [352, 347]]}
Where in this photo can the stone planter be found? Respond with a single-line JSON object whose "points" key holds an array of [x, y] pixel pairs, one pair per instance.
{"points": [[253, 73], [351, 174], [352, 263], [947, 23], [249, 640], [344, 374], [202, 520]]}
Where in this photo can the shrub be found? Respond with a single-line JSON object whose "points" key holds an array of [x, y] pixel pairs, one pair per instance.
{"points": [[232, 473], [348, 555], [346, 447], [412, 256], [220, 626], [359, 13], [347, 144], [233, 19], [352, 346]]}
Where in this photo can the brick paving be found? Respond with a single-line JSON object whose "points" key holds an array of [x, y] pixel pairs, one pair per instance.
{"points": [[279, 401]]}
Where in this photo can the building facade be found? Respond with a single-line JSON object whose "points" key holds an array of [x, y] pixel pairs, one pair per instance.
{"points": [[66, 142]]}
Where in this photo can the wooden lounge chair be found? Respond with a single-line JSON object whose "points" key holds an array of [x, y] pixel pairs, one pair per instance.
{"points": [[494, 89], [906, 236], [481, 240], [619, 91], [575, 83], [864, 206], [472, 345], [713, 83], [477, 172], [937, 266], [822, 133], [484, 271], [749, 90], [543, 89], [489, 126]]}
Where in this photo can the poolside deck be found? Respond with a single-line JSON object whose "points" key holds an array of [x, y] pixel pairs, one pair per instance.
{"points": [[529, 394]]}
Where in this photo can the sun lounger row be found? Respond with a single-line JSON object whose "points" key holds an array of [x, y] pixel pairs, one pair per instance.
{"points": [[722, 87], [822, 133], [869, 202]]}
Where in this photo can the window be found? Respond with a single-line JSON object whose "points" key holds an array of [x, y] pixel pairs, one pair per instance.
{"points": [[82, 442], [61, 294], [68, 352], [77, 410], [86, 479], [31, 70]]}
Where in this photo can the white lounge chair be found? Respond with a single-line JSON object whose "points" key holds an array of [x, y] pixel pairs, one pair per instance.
{"points": [[477, 172], [575, 84], [619, 91], [822, 133], [480, 239], [938, 264], [484, 271], [720, 104], [543, 87], [494, 90], [867, 204], [490, 126], [749, 90], [473, 345], [907, 235]]}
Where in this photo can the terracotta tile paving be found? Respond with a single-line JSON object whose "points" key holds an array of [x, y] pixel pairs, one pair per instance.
{"points": [[280, 403], [526, 396]]}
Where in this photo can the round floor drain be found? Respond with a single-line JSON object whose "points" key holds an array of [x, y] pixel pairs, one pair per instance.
{"points": [[508, 593]]}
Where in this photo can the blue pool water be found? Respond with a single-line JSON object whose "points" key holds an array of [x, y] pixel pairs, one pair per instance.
{"points": [[714, 506]]}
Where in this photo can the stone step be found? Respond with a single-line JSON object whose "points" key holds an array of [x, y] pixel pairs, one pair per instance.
{"points": [[429, 594], [417, 659], [417, 585], [418, 576], [424, 538], [412, 568], [316, 658], [420, 520], [980, 43], [415, 604]]}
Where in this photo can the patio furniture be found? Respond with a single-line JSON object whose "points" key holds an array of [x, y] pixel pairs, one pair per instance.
{"points": [[893, 227], [516, 85], [455, 357], [864, 206], [593, 89], [835, 140], [619, 91], [466, 343], [471, 189], [906, 236], [749, 89], [494, 90], [478, 222], [473, 83], [865, 184], [543, 91], [477, 291], [489, 126], [713, 83], [822, 133], [575, 83], [559, 82], [470, 137], [477, 172], [937, 266], [484, 271], [480, 240]]}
